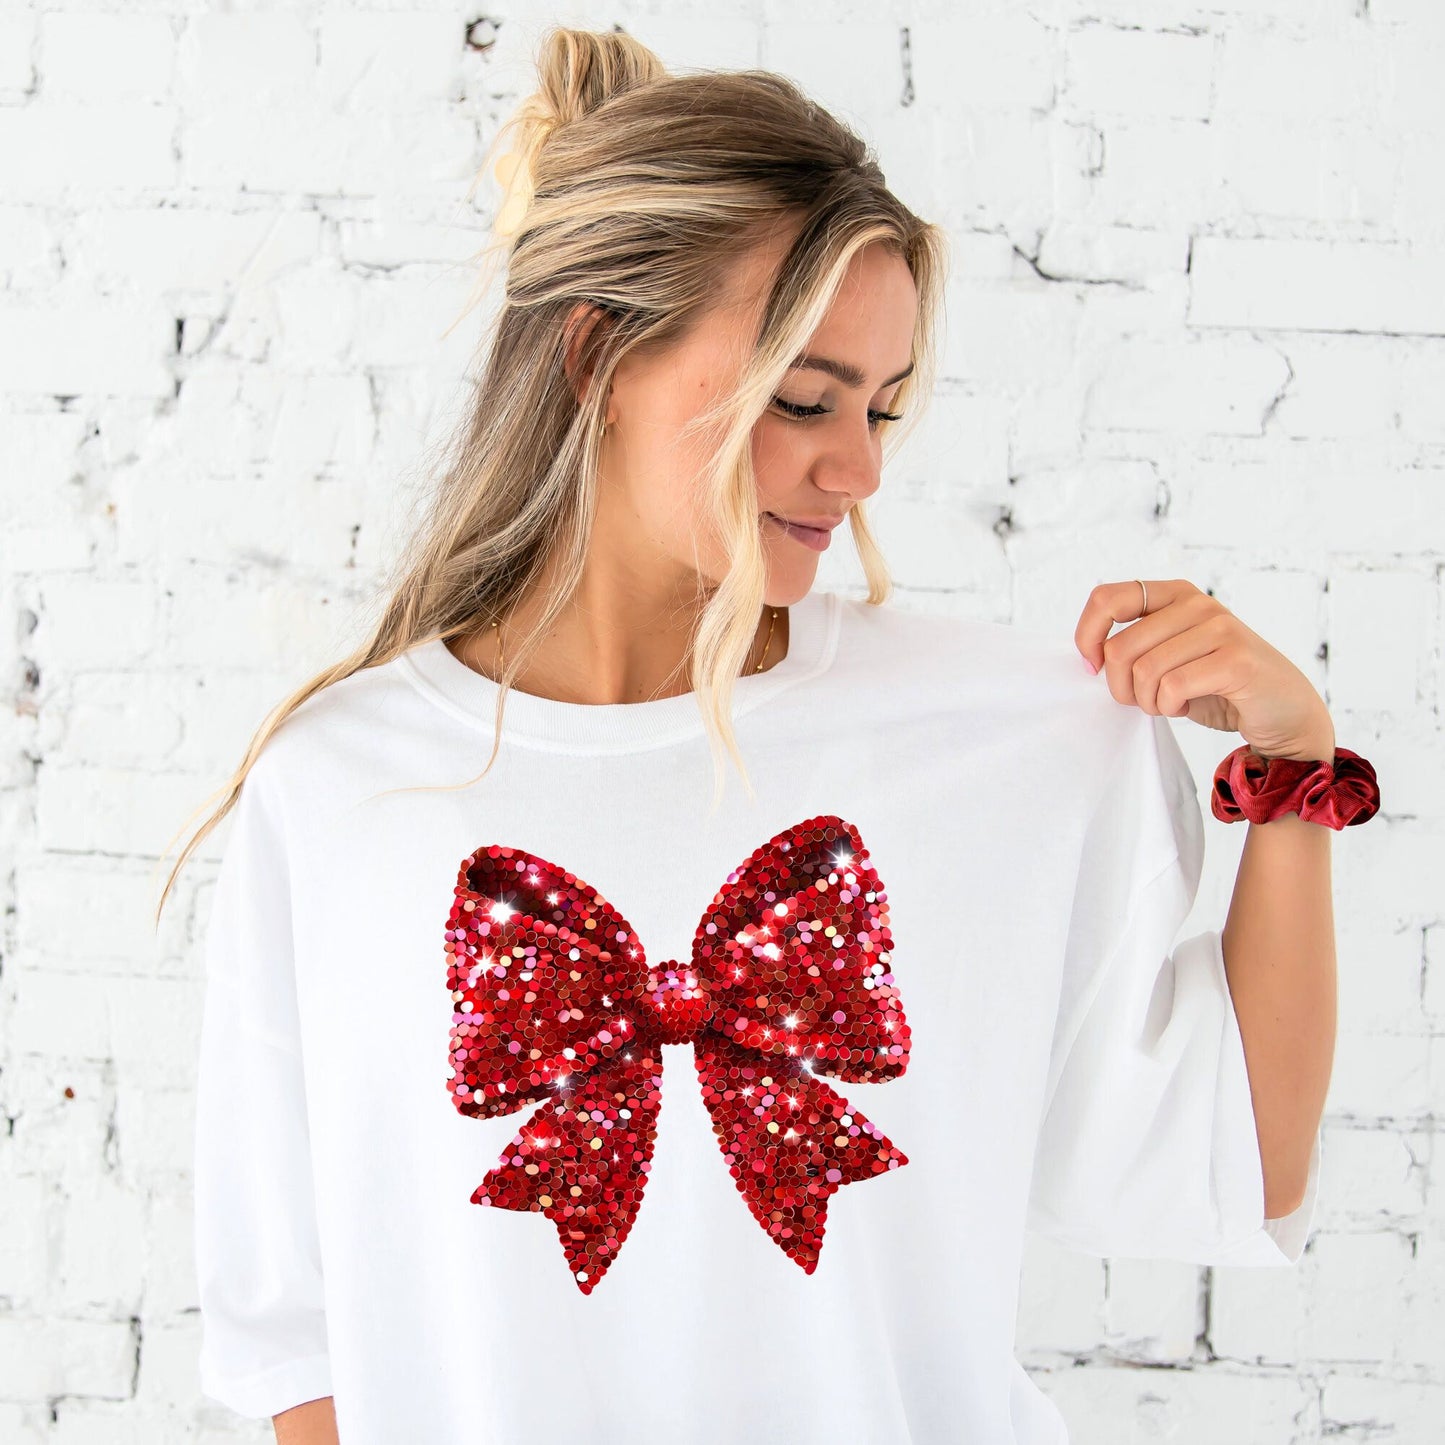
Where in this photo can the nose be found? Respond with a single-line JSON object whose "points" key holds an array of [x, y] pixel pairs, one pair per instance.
{"points": [[849, 464]]}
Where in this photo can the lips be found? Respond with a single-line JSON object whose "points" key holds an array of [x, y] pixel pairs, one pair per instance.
{"points": [[817, 538]]}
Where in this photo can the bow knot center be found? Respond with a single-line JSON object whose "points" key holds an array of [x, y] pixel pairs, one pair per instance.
{"points": [[677, 1001]]}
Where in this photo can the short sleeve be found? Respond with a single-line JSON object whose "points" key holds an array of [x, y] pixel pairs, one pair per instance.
{"points": [[258, 1268], [1148, 1145]]}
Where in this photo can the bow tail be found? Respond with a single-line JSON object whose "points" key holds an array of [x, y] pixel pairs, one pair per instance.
{"points": [[582, 1159], [789, 1141]]}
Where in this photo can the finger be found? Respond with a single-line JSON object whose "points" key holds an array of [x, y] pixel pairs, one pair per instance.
{"points": [[1209, 675], [1136, 675], [1112, 602], [1133, 679]]}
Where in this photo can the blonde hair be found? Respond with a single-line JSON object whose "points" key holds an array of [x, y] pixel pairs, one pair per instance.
{"points": [[636, 190]]}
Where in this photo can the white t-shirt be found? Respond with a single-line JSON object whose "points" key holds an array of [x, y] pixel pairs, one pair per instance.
{"points": [[958, 881]]}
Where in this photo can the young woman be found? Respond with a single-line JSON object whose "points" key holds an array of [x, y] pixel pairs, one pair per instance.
{"points": [[547, 1093]]}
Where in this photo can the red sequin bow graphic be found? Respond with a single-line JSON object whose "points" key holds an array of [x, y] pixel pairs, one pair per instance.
{"points": [[554, 1000]]}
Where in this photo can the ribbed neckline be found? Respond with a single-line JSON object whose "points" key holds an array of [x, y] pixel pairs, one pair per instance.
{"points": [[618, 727]]}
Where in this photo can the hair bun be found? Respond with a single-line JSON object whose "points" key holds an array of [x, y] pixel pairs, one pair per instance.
{"points": [[578, 72], [581, 70]]}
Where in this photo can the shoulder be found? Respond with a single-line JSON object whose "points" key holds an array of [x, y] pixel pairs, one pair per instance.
{"points": [[944, 635], [1027, 692], [333, 723], [1015, 664]]}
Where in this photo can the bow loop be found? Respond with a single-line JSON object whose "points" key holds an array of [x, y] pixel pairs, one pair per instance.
{"points": [[543, 973], [799, 954]]}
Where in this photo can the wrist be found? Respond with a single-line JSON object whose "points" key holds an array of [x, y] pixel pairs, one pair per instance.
{"points": [[1336, 789], [1317, 747], [1312, 752]]}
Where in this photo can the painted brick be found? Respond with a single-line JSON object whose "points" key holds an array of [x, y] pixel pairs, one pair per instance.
{"points": [[1318, 286], [94, 55], [1139, 72]]}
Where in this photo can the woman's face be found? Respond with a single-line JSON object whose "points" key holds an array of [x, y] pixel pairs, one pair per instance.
{"points": [[810, 468]]}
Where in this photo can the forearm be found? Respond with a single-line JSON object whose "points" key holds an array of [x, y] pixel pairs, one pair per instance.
{"points": [[1279, 956], [313, 1423]]}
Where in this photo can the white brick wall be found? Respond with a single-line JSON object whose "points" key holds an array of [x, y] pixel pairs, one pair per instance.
{"points": [[1196, 327]]}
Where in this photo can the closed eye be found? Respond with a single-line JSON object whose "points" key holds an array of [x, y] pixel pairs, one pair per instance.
{"points": [[803, 412]]}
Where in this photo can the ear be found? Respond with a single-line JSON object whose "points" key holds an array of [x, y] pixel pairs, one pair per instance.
{"points": [[577, 330]]}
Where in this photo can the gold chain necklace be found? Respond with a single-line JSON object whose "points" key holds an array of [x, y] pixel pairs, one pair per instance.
{"points": [[767, 645]]}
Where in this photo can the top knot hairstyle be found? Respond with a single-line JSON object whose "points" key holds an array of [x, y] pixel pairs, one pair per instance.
{"points": [[579, 71], [634, 189]]}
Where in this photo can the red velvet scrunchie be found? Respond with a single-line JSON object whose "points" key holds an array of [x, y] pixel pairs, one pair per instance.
{"points": [[1258, 789]]}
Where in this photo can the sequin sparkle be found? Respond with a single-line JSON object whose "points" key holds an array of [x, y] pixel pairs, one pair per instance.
{"points": [[554, 1002]]}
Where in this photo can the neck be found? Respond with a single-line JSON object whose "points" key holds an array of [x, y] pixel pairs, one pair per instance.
{"points": [[615, 642]]}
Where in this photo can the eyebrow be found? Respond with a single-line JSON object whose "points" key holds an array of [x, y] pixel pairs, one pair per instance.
{"points": [[848, 374]]}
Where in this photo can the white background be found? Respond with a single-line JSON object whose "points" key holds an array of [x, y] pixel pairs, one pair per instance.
{"points": [[1196, 327]]}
